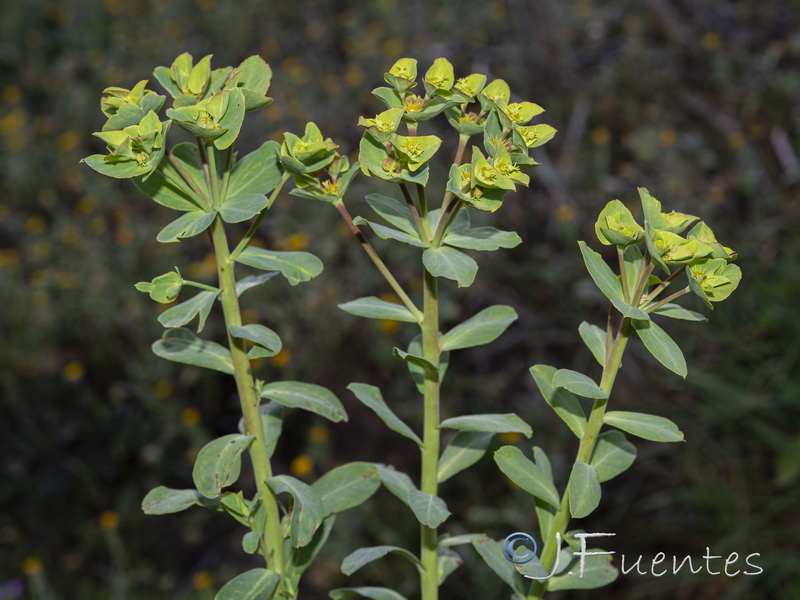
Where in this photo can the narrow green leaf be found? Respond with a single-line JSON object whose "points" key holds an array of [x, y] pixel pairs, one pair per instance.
{"points": [[117, 169], [417, 369], [448, 562], [632, 262], [257, 173], [357, 559], [492, 554], [490, 423], [268, 343], [674, 311], [430, 510], [584, 490], [649, 427], [219, 463], [448, 541], [394, 212], [180, 314], [629, 311], [661, 346], [181, 345], [545, 512], [613, 455], [597, 572], [563, 402], [463, 451], [451, 264], [301, 558], [601, 273], [372, 307], [374, 593], [307, 511], [251, 281], [577, 383], [483, 328], [295, 266], [166, 193], [240, 208], [347, 486], [164, 501], [398, 483], [389, 233], [595, 340], [256, 584], [482, 238], [370, 396], [523, 472], [414, 359], [187, 225], [308, 396]]}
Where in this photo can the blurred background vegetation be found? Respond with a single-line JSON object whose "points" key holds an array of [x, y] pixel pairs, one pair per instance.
{"points": [[696, 101]]}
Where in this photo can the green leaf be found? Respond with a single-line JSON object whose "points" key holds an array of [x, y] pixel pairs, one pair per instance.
{"points": [[232, 120], [399, 484], [219, 463], [577, 383], [307, 512], [613, 455], [483, 328], [448, 562], [490, 423], [164, 288], [595, 340], [661, 346], [394, 212], [563, 402], [451, 264], [236, 209], [584, 490], [415, 360], [250, 542], [601, 273], [181, 345], [447, 541], [257, 173], [181, 314], [295, 266], [187, 225], [371, 397], [375, 593], [251, 281], [649, 427], [388, 233], [271, 421], [301, 558], [482, 238], [164, 501], [430, 510], [492, 554], [256, 584], [268, 343], [545, 513], [308, 396], [674, 311], [418, 369], [632, 260], [357, 559], [597, 572], [523, 472], [119, 169], [372, 307], [629, 311], [161, 186], [463, 451], [347, 486]]}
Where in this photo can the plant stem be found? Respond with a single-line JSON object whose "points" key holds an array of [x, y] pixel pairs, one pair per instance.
{"points": [[685, 290], [585, 451], [431, 441], [384, 270], [185, 181], [412, 208], [626, 293], [664, 283]]}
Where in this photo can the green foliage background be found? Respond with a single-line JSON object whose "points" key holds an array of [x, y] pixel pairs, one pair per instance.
{"points": [[697, 101]]}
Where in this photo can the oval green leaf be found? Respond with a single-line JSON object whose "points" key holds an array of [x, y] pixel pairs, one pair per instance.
{"points": [[308, 396], [256, 584], [483, 328], [584, 490], [490, 423], [296, 267], [661, 346], [371, 397], [219, 463], [347, 486], [372, 307], [649, 427], [523, 472], [181, 345], [307, 512]]}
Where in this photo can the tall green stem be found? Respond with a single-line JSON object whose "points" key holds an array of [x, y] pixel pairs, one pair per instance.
{"points": [[585, 451], [430, 451], [272, 540]]}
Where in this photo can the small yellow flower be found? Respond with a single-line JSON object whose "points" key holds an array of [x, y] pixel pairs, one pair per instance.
{"points": [[72, 371], [109, 520], [301, 465], [511, 437], [31, 566], [190, 416], [202, 580], [318, 434]]}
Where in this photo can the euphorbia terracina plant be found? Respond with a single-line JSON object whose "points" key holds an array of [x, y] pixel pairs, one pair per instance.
{"points": [[214, 189]]}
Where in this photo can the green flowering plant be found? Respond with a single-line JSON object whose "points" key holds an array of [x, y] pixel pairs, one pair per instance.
{"points": [[214, 189]]}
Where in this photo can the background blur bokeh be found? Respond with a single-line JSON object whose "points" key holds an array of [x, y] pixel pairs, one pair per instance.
{"points": [[698, 101]]}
